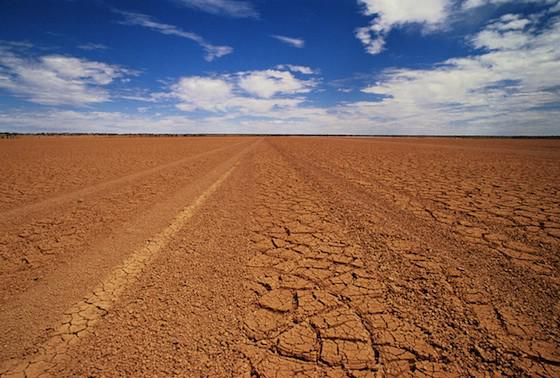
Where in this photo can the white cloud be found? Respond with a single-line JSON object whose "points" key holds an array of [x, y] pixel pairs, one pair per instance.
{"points": [[21, 45], [392, 13], [70, 68], [231, 8], [470, 4], [294, 42], [372, 39], [138, 19], [509, 88], [395, 12], [197, 92], [92, 46], [508, 85], [245, 93], [506, 33], [268, 83], [509, 22], [91, 121], [430, 16], [297, 69], [261, 107], [57, 79]]}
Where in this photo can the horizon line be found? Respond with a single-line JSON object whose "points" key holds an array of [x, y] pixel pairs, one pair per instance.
{"points": [[478, 136]]}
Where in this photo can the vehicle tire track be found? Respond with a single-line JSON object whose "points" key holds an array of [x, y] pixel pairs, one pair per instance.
{"points": [[78, 194], [34, 245], [80, 319], [320, 310], [431, 287], [183, 316]]}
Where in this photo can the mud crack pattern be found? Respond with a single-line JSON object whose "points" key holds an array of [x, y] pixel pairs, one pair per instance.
{"points": [[318, 257], [319, 310]]}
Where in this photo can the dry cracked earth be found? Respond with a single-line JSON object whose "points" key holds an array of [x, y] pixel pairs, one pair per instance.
{"points": [[279, 257]]}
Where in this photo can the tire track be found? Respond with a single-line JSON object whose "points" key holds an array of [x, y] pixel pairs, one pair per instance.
{"points": [[465, 318], [81, 318], [348, 280], [35, 244], [499, 214], [60, 199], [320, 310], [183, 316]]}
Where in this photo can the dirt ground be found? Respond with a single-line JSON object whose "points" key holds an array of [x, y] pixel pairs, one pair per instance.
{"points": [[279, 257]]}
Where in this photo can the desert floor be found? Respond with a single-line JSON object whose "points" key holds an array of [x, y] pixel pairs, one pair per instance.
{"points": [[278, 257]]}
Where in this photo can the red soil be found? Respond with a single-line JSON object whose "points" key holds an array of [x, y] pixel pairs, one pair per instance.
{"points": [[268, 257]]}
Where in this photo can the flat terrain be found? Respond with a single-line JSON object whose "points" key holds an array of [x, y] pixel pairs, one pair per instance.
{"points": [[278, 257]]}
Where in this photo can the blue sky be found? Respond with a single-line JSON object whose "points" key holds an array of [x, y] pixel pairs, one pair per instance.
{"points": [[469, 67]]}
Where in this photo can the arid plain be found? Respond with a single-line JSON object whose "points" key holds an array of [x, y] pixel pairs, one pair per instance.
{"points": [[279, 256]]}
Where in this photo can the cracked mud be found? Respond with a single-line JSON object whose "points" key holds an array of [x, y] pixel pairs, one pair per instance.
{"points": [[278, 257]]}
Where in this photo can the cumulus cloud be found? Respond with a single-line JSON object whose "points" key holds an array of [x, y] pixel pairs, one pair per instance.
{"points": [[510, 83], [294, 42], [430, 16], [230, 8], [139, 19], [57, 79], [395, 12], [298, 69], [253, 92], [268, 83], [198, 92], [508, 86], [372, 37], [505, 33], [388, 14]]}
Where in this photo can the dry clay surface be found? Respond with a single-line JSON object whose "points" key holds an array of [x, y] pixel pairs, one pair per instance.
{"points": [[279, 257]]}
